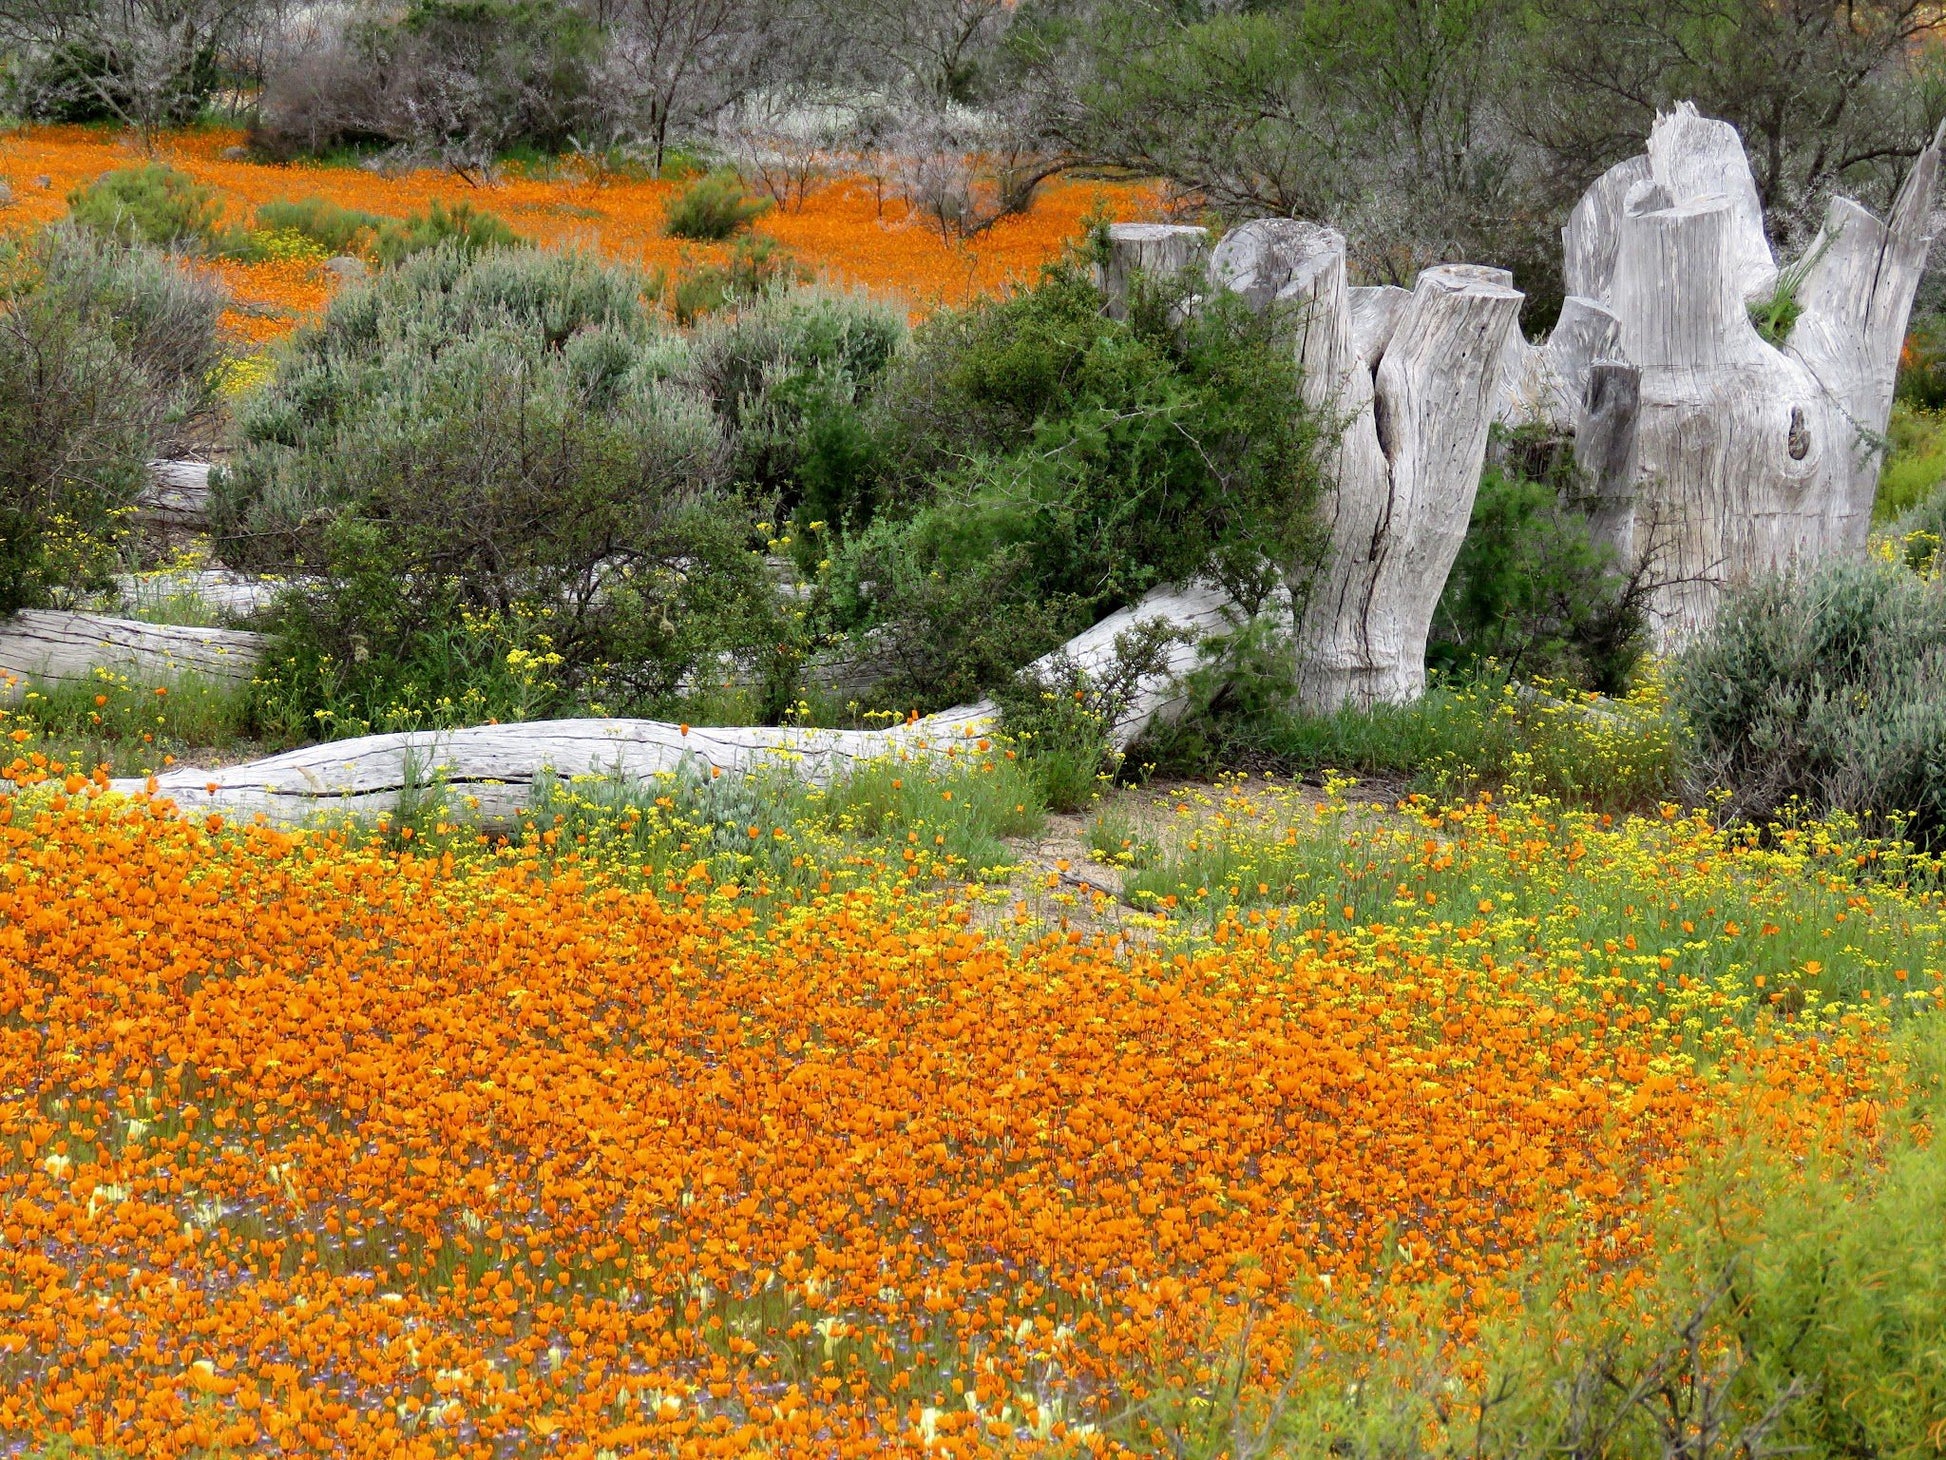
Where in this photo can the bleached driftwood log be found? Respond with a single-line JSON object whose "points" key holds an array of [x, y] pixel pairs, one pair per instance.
{"points": [[54, 647], [1411, 437], [1747, 457], [488, 771], [176, 495], [216, 589]]}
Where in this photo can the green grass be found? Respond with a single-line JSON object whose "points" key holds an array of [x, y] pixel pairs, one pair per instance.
{"points": [[1453, 741], [133, 728], [1915, 463]]}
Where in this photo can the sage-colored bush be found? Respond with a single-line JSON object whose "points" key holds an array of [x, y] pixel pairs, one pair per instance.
{"points": [[1826, 686], [504, 498], [109, 356]]}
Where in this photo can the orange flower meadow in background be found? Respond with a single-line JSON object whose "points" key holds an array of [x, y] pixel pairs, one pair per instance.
{"points": [[311, 1145], [843, 232]]}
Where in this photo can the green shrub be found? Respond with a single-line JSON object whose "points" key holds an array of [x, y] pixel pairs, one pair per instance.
{"points": [[789, 376], [1915, 461], [464, 227], [511, 504], [108, 356], [1922, 364], [1035, 465], [1530, 590], [334, 229], [755, 267], [153, 204], [712, 209], [1826, 686]]}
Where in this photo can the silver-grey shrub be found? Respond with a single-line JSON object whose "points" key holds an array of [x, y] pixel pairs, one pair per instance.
{"points": [[109, 355], [1825, 686]]}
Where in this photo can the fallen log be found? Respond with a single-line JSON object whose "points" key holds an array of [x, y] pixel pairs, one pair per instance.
{"points": [[175, 495], [488, 772], [48, 646]]}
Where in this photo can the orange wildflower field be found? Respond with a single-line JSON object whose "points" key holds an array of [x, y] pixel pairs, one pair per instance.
{"points": [[312, 1142], [844, 231]]}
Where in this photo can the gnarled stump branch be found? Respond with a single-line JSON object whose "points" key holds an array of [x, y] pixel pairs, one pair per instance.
{"points": [[175, 495]]}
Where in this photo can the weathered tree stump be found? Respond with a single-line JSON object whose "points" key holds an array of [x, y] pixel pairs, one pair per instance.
{"points": [[1747, 457]]}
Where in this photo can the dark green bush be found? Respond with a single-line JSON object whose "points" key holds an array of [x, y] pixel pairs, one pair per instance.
{"points": [[1035, 464], [153, 204], [80, 80], [470, 230], [1922, 364], [712, 209], [1828, 687], [512, 504], [108, 356], [1531, 591], [332, 228]]}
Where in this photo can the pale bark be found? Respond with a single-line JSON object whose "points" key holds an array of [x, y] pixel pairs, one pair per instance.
{"points": [[68, 648], [1747, 458], [1405, 462], [176, 495], [1159, 251]]}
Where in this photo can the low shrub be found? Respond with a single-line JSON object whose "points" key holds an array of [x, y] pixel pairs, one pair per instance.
{"points": [[334, 229], [713, 208], [1826, 686], [755, 267], [109, 355], [789, 376], [1531, 591], [153, 204], [509, 503], [468, 229]]}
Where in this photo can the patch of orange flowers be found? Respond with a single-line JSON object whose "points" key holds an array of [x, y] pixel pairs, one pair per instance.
{"points": [[845, 231], [307, 1144]]}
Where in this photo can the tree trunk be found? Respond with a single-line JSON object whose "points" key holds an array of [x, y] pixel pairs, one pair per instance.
{"points": [[1746, 458], [67, 648], [1405, 464], [1159, 251]]}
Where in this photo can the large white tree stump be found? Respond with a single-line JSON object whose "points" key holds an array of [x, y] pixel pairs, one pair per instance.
{"points": [[1746, 457], [1410, 384]]}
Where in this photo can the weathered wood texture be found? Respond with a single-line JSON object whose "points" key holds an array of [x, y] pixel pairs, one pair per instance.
{"points": [[1410, 383], [54, 647], [176, 495], [1746, 457], [1157, 250], [488, 771], [215, 589]]}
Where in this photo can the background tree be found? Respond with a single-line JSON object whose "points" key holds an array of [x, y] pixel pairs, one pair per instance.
{"points": [[148, 64]]}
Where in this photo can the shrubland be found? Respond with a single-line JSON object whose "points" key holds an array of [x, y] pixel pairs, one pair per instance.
{"points": [[109, 355]]}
